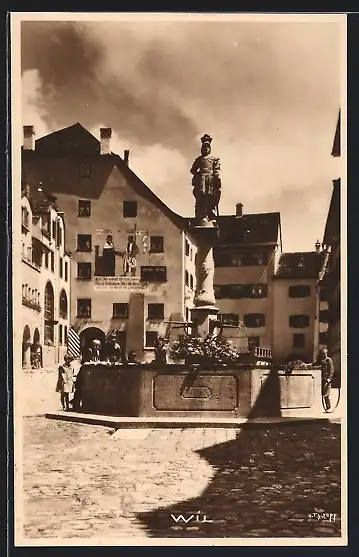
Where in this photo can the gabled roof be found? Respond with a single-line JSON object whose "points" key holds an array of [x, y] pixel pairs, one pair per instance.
{"points": [[258, 228], [299, 265], [70, 142]]}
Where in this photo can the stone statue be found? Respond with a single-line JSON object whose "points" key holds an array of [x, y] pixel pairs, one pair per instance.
{"points": [[206, 183]]}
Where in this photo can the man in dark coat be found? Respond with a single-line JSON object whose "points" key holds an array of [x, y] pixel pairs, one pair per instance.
{"points": [[327, 366]]}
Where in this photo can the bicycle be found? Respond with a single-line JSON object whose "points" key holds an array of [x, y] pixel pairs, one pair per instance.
{"points": [[332, 408]]}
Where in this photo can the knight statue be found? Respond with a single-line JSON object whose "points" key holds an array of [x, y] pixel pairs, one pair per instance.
{"points": [[206, 183]]}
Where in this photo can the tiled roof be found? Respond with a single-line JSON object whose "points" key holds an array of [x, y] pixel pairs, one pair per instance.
{"points": [[40, 200], [259, 228], [299, 265]]}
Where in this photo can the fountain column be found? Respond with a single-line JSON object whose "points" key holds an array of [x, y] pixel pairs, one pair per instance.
{"points": [[205, 310]]}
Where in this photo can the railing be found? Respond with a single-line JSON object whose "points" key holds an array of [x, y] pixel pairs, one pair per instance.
{"points": [[30, 262], [31, 304], [262, 353]]}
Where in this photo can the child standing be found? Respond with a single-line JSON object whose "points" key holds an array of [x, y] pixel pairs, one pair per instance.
{"points": [[65, 382]]}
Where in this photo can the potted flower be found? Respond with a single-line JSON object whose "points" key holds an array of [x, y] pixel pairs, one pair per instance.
{"points": [[209, 350]]}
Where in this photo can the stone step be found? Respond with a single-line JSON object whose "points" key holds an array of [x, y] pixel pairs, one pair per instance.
{"points": [[166, 422]]}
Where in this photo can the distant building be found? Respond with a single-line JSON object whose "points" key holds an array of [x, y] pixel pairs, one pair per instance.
{"points": [[296, 316], [133, 262], [245, 260], [45, 278]]}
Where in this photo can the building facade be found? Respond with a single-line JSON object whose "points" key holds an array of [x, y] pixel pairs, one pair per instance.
{"points": [[245, 259], [45, 279], [133, 262], [296, 301]]}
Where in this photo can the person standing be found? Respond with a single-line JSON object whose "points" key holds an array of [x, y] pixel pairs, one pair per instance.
{"points": [[327, 366], [65, 382]]}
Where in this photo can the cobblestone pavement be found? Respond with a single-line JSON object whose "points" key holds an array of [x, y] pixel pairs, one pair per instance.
{"points": [[84, 481]]}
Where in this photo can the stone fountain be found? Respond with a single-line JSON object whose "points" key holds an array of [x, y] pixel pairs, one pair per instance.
{"points": [[241, 390]]}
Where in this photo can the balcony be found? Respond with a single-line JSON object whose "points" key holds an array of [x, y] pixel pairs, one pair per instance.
{"points": [[31, 304], [31, 263]]}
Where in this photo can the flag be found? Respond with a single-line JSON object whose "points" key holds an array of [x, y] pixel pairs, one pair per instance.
{"points": [[73, 343]]}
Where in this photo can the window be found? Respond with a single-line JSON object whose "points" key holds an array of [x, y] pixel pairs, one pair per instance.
{"points": [[299, 291], [85, 170], [54, 229], [25, 217], [191, 281], [84, 208], [154, 274], [60, 334], [156, 244], [324, 316], [61, 267], [324, 294], [46, 259], [298, 321], [49, 314], [323, 338], [187, 248], [258, 290], [298, 340], [156, 311], [65, 334], [52, 256], [84, 242], [83, 307], [151, 339], [233, 291], [83, 270], [222, 259], [253, 320], [130, 209], [187, 278], [120, 311], [66, 271], [63, 304], [229, 319], [187, 314], [191, 254], [59, 233], [250, 259]]}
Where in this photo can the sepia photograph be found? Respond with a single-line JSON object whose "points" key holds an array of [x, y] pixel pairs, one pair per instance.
{"points": [[179, 353]]}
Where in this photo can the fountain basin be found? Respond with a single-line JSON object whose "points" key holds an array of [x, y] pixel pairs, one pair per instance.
{"points": [[178, 391]]}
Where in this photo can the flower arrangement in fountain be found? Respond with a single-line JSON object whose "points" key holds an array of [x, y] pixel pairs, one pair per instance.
{"points": [[209, 350]]}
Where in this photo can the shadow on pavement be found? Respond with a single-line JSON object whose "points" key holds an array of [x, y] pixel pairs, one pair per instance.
{"points": [[267, 482]]}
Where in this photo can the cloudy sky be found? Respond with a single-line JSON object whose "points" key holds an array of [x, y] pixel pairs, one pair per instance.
{"points": [[267, 92]]}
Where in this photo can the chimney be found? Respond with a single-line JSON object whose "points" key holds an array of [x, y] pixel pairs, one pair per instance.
{"points": [[28, 142], [317, 246], [105, 135], [239, 210], [126, 156]]}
